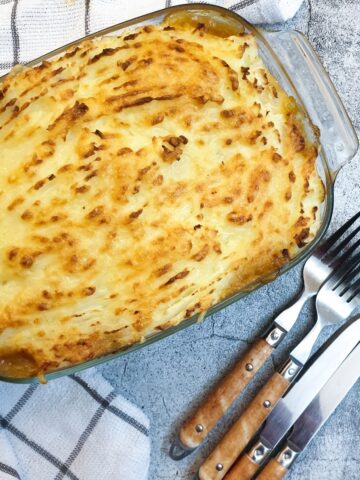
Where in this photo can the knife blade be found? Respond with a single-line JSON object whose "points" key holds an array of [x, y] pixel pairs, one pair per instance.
{"points": [[290, 407], [315, 415], [286, 411]]}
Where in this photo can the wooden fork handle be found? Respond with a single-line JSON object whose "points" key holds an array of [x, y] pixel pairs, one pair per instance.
{"points": [[196, 428], [243, 430], [273, 471]]}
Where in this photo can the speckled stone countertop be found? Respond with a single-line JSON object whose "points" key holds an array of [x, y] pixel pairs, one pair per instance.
{"points": [[167, 379]]}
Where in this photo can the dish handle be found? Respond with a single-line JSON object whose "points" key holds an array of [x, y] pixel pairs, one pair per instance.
{"points": [[318, 95]]}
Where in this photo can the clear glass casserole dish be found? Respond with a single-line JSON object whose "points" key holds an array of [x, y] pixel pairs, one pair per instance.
{"points": [[302, 76]]}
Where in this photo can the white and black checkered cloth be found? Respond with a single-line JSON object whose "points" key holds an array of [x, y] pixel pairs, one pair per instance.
{"points": [[77, 428], [30, 28], [73, 428]]}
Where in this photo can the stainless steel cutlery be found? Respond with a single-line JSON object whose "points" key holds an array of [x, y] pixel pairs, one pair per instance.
{"points": [[336, 300], [337, 260], [292, 406], [315, 415]]}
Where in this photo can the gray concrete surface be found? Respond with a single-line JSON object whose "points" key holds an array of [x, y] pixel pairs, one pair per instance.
{"points": [[169, 378]]}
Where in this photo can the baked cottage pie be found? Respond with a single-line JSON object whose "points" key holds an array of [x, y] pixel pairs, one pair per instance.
{"points": [[143, 178]]}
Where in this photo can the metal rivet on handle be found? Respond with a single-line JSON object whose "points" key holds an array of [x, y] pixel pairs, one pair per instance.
{"points": [[219, 467], [258, 454], [267, 403], [291, 371], [249, 367], [275, 335], [199, 428]]}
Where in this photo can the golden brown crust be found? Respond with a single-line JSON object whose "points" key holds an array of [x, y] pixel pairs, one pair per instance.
{"points": [[160, 171]]}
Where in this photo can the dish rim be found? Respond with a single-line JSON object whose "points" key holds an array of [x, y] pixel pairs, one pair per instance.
{"points": [[329, 178]]}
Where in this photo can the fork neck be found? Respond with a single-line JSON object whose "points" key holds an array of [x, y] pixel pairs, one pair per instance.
{"points": [[287, 318], [303, 351]]}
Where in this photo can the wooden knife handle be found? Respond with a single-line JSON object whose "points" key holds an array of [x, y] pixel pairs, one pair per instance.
{"points": [[196, 428], [243, 430], [245, 469], [273, 471]]}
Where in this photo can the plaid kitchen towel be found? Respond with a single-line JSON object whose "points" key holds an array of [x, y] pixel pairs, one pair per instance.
{"points": [[73, 428], [30, 28]]}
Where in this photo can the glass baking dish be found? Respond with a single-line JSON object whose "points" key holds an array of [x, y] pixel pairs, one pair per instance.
{"points": [[290, 58]]}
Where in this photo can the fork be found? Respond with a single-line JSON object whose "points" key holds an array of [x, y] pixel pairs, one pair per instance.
{"points": [[336, 300], [317, 268]]}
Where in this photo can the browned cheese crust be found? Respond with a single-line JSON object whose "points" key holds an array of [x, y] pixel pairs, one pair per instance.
{"points": [[143, 178]]}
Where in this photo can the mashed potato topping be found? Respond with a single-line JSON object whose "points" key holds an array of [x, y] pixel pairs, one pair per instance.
{"points": [[143, 178]]}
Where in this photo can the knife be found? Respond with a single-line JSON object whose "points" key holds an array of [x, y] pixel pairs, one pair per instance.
{"points": [[314, 417], [285, 413]]}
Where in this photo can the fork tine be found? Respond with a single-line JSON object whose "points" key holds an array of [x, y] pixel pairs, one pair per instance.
{"points": [[342, 244], [324, 247], [337, 276], [344, 256], [351, 275], [355, 291]]}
